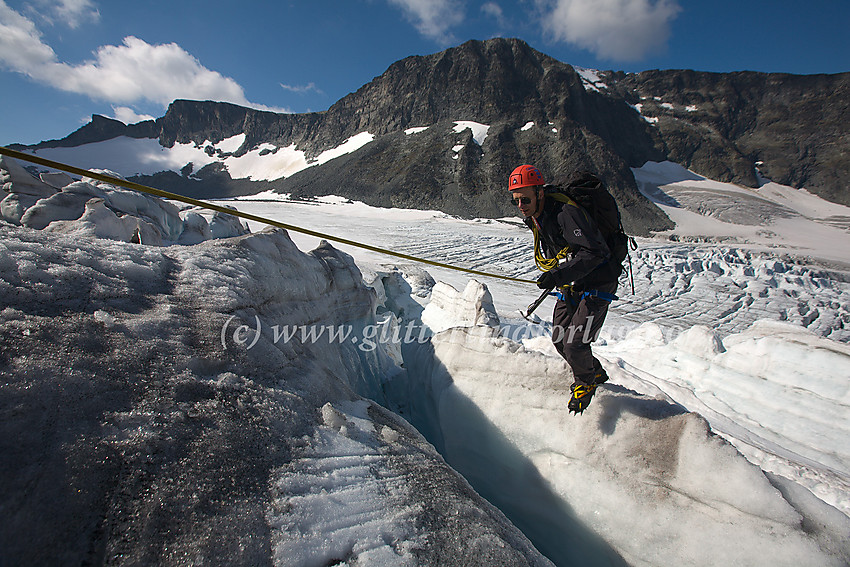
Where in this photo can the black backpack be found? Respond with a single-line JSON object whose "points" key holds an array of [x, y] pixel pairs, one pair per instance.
{"points": [[589, 192]]}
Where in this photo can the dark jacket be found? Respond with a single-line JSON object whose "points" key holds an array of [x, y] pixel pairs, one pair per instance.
{"points": [[565, 225]]}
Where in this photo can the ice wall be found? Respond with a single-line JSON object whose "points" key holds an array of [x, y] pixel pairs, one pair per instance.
{"points": [[92, 208], [778, 391], [634, 480], [152, 413]]}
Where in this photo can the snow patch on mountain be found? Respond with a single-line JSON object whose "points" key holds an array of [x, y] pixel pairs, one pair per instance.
{"points": [[266, 162], [350, 145], [145, 156], [479, 131], [230, 145], [591, 79], [639, 109]]}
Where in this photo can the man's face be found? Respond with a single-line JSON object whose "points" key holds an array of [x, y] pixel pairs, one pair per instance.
{"points": [[526, 198]]}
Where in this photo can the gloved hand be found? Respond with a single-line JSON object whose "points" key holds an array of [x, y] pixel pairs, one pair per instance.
{"points": [[547, 281]]}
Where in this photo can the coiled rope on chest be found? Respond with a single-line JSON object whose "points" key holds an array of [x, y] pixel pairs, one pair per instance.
{"points": [[543, 263]]}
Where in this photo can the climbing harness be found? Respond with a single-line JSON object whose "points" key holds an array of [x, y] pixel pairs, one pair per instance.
{"points": [[604, 296], [563, 294]]}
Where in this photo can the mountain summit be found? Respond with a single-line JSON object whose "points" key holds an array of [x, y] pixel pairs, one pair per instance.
{"points": [[444, 130]]}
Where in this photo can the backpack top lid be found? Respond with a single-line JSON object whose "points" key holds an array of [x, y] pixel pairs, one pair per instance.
{"points": [[584, 179], [587, 191]]}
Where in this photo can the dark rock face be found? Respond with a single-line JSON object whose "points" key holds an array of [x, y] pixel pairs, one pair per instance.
{"points": [[721, 124], [718, 125]]}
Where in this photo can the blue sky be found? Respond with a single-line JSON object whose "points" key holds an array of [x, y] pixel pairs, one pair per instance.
{"points": [[63, 60]]}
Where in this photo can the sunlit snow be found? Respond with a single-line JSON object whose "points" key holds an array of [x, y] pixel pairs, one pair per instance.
{"points": [[230, 145], [145, 156], [352, 144], [773, 216], [479, 131], [591, 79]]}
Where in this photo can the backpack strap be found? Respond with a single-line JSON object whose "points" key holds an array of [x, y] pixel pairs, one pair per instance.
{"points": [[558, 196], [563, 198]]}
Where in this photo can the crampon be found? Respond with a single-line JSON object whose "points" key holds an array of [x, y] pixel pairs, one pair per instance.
{"points": [[582, 394]]}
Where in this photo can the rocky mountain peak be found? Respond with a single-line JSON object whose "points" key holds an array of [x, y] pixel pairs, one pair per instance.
{"points": [[732, 127], [484, 81]]}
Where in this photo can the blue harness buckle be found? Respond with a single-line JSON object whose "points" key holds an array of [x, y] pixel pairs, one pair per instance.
{"points": [[604, 296]]}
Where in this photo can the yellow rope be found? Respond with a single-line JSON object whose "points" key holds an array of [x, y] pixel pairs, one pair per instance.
{"points": [[545, 264], [213, 207]]}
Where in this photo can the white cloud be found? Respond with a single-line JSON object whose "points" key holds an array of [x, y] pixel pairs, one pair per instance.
{"points": [[72, 13], [433, 18], [622, 30], [128, 115], [135, 71], [21, 47], [138, 70], [494, 11], [301, 89]]}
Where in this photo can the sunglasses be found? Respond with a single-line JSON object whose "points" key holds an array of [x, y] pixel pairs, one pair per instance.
{"points": [[523, 200]]}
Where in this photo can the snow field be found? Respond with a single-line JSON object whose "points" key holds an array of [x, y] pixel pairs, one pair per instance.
{"points": [[678, 286], [729, 289], [773, 218], [786, 388], [93, 208]]}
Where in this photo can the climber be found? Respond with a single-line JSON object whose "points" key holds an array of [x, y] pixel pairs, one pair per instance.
{"points": [[578, 264]]}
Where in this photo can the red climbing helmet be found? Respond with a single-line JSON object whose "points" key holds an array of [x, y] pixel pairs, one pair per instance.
{"points": [[524, 176]]}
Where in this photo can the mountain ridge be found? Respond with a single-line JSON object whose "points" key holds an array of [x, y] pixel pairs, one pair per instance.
{"points": [[721, 125]]}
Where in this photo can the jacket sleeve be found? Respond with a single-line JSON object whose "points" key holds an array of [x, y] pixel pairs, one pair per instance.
{"points": [[589, 250]]}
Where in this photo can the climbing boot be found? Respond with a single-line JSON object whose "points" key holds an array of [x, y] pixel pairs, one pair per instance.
{"points": [[582, 394]]}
